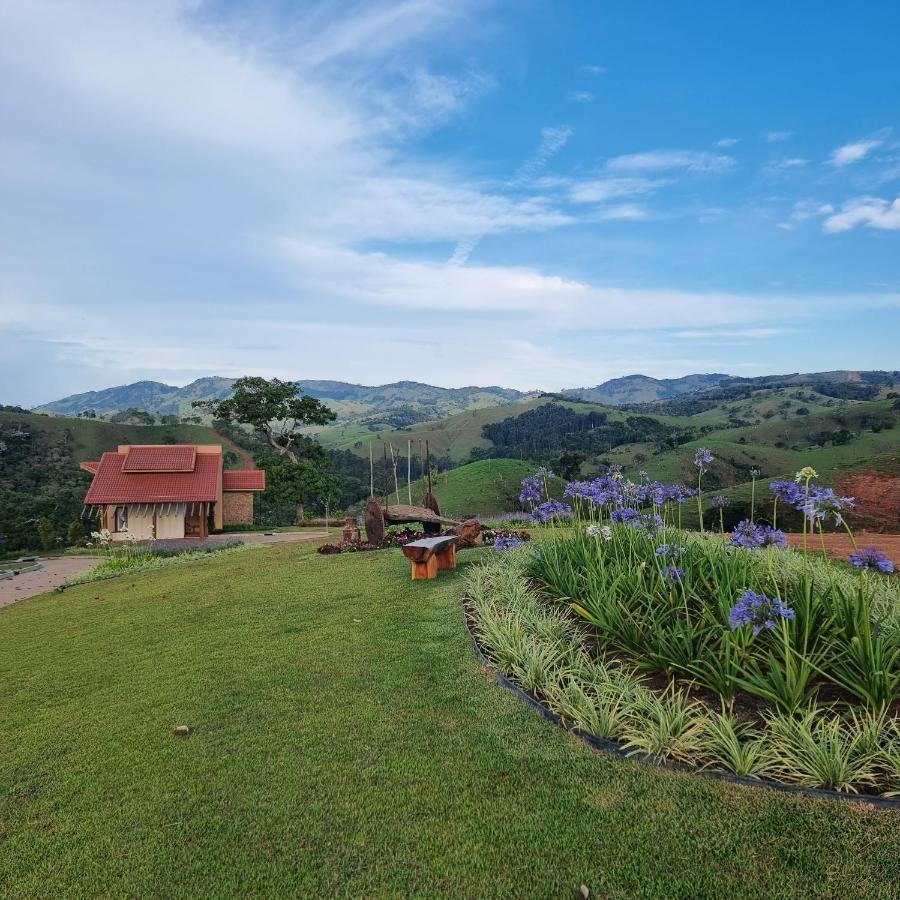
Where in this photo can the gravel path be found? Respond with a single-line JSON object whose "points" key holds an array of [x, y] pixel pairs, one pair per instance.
{"points": [[53, 572]]}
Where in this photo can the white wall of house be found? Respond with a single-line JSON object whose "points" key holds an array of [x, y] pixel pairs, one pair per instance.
{"points": [[140, 523], [170, 521]]}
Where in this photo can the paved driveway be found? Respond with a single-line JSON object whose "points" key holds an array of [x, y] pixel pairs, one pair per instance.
{"points": [[53, 572]]}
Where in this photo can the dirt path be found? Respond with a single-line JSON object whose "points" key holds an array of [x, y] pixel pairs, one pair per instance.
{"points": [[53, 572], [241, 452]]}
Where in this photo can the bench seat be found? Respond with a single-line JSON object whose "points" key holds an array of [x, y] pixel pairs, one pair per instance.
{"points": [[430, 555]]}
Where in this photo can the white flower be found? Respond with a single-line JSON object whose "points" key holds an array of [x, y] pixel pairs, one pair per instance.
{"points": [[807, 473], [600, 531]]}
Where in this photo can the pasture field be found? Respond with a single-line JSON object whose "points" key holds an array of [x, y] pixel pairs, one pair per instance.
{"points": [[346, 743]]}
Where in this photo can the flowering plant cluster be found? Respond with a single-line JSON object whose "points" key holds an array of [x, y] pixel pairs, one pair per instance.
{"points": [[872, 558], [759, 611], [506, 542], [751, 536]]}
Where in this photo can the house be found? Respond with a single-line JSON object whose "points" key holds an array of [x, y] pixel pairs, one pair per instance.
{"points": [[169, 491]]}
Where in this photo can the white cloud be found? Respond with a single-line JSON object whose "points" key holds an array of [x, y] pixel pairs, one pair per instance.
{"points": [[580, 97], [602, 189], [593, 70], [873, 212], [852, 153], [553, 139], [661, 160], [788, 164], [728, 142], [803, 211], [776, 137]]}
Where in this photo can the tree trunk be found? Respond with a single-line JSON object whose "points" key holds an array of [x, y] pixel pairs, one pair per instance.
{"points": [[301, 514]]}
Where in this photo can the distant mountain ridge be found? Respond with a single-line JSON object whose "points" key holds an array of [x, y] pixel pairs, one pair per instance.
{"points": [[351, 401], [644, 389], [407, 402]]}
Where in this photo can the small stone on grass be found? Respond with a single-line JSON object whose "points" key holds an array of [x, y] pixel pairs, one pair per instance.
{"points": [[181, 730]]}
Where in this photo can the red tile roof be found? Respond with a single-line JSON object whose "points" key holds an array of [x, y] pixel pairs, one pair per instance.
{"points": [[176, 458], [90, 465], [244, 480], [113, 484]]}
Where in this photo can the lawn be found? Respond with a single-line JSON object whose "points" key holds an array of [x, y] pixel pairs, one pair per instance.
{"points": [[345, 742]]}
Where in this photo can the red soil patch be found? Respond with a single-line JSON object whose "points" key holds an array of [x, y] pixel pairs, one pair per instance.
{"points": [[877, 499], [840, 547]]}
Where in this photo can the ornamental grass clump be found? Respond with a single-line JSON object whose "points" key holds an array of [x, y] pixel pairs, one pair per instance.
{"points": [[781, 645]]}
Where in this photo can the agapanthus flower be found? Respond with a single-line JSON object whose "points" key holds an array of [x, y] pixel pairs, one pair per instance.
{"points": [[599, 531], [746, 534], [702, 458], [772, 537], [503, 543], [673, 573], [625, 515], [720, 502], [786, 491], [648, 522], [818, 503], [669, 551], [807, 473], [551, 509], [759, 611], [872, 558], [532, 489]]}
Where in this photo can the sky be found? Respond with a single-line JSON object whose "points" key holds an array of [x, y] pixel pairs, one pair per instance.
{"points": [[533, 194]]}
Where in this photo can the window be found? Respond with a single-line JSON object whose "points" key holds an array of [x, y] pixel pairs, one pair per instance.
{"points": [[121, 518]]}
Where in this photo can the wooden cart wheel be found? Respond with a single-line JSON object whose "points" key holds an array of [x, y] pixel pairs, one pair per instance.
{"points": [[430, 502], [373, 516]]}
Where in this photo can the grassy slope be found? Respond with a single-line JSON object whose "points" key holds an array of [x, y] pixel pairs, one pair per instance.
{"points": [[346, 743], [454, 437], [90, 437], [478, 488]]}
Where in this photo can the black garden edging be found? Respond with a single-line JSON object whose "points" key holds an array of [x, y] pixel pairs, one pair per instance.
{"points": [[616, 749]]}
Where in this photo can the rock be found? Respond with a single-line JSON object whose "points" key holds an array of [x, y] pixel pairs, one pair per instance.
{"points": [[584, 892], [181, 730], [469, 533]]}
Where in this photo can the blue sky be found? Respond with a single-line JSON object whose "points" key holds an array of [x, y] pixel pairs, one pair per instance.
{"points": [[532, 194]]}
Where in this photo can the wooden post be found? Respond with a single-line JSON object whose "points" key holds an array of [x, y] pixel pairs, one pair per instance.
{"points": [[371, 474], [409, 469], [394, 467], [428, 463], [384, 491]]}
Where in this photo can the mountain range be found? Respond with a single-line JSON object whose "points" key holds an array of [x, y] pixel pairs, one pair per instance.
{"points": [[407, 402]]}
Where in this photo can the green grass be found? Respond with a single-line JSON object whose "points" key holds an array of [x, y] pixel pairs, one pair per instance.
{"points": [[89, 438], [479, 488], [346, 743]]}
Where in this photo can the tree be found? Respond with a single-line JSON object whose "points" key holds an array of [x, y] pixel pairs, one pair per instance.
{"points": [[47, 533], [75, 533], [275, 409]]}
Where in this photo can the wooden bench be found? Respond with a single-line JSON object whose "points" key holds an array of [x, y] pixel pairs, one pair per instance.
{"points": [[429, 555]]}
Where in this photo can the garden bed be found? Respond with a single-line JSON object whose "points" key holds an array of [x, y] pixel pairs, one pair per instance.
{"points": [[543, 652]]}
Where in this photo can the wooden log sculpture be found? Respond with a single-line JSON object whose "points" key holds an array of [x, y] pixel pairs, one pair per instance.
{"points": [[429, 501], [373, 516], [429, 555]]}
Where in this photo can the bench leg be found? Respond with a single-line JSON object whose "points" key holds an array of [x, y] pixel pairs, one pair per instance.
{"points": [[425, 571], [446, 559]]}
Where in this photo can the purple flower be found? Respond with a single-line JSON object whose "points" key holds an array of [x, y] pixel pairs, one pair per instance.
{"points": [[759, 611], [785, 491], [669, 550], [532, 489], [872, 558], [747, 534], [702, 459], [552, 509], [720, 502], [822, 502], [502, 543], [624, 516], [772, 537], [673, 573]]}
